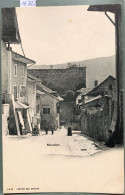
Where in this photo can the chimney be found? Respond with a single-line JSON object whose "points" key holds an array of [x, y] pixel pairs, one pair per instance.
{"points": [[95, 83]]}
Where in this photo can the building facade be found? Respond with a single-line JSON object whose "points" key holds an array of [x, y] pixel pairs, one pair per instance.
{"points": [[49, 111], [14, 75]]}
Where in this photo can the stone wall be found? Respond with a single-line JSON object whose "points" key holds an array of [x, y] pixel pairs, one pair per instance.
{"points": [[62, 80]]}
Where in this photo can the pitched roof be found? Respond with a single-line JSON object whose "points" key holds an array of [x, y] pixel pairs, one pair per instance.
{"points": [[100, 84], [43, 88], [20, 58], [40, 92], [93, 99], [84, 90], [30, 80], [48, 91], [39, 83], [60, 98], [20, 105], [10, 30], [33, 77]]}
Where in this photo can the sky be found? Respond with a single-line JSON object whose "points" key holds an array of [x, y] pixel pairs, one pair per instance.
{"points": [[61, 34]]}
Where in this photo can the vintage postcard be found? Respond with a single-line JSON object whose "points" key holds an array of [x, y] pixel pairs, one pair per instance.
{"points": [[62, 99]]}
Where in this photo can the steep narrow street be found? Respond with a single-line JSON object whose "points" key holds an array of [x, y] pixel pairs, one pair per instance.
{"points": [[61, 144], [58, 143]]}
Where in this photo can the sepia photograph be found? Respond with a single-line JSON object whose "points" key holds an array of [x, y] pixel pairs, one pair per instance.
{"points": [[62, 99]]}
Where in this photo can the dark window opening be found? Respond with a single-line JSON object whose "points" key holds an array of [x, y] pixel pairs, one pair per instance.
{"points": [[58, 109], [46, 110], [110, 87]]}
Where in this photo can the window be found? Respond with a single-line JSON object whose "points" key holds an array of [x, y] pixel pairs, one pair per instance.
{"points": [[15, 69], [15, 92], [58, 108], [80, 100], [110, 87], [46, 110], [22, 91], [22, 71]]}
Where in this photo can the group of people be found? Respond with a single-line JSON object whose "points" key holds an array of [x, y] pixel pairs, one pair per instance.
{"points": [[51, 129], [35, 130]]}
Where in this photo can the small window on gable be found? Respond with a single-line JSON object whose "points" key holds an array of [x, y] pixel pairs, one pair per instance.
{"points": [[110, 87], [15, 69], [22, 71]]}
